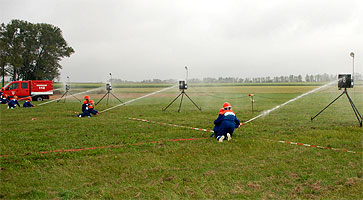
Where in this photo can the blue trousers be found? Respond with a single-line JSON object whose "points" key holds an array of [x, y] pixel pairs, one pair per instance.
{"points": [[226, 127]]}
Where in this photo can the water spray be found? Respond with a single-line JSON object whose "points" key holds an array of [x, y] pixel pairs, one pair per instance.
{"points": [[67, 87], [70, 96], [132, 100], [108, 92], [182, 87], [345, 81], [291, 100]]}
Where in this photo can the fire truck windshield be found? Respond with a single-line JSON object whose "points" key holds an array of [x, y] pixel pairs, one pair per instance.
{"points": [[7, 85]]}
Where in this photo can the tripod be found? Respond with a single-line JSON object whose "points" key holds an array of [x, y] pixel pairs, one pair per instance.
{"points": [[108, 96], [182, 93], [356, 112], [65, 94]]}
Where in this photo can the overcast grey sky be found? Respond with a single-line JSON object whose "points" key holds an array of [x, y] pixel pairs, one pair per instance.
{"points": [[146, 39]]}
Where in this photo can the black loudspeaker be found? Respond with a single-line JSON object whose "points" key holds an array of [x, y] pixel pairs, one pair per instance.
{"points": [[183, 85], [345, 81], [108, 86]]}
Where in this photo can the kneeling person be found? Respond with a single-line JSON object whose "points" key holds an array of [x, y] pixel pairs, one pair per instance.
{"points": [[27, 103], [91, 108], [227, 123], [13, 102], [85, 109]]}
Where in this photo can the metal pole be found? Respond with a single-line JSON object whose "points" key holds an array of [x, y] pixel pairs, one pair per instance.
{"points": [[252, 104], [181, 101], [186, 79], [353, 70]]}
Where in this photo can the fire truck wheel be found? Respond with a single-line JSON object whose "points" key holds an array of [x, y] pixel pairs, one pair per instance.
{"points": [[39, 98]]}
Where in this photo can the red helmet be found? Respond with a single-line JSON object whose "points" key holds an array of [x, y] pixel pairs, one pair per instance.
{"points": [[86, 97], [226, 105], [91, 101]]}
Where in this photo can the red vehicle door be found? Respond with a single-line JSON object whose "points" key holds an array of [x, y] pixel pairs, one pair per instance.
{"points": [[18, 88], [23, 89], [12, 88]]}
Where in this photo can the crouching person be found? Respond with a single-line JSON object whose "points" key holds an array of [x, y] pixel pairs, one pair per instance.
{"points": [[4, 99], [227, 123], [91, 108], [216, 126], [13, 102], [27, 103], [85, 108]]}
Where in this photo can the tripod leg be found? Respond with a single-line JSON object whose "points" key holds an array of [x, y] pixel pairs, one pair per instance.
{"points": [[327, 106], [108, 97], [101, 99], [181, 101], [61, 97], [171, 102], [356, 112], [116, 97], [75, 97], [193, 102]]}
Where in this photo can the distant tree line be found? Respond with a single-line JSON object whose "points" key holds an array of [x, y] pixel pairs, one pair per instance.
{"points": [[276, 79], [31, 51]]}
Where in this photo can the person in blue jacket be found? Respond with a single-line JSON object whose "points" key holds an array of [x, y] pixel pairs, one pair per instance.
{"points": [[85, 109], [4, 99], [27, 103], [91, 108], [227, 122], [13, 102], [216, 127]]}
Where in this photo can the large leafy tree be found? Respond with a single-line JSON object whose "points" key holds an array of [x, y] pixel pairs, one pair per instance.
{"points": [[3, 62], [33, 51]]}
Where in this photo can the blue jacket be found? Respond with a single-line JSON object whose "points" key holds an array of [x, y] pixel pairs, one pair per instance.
{"points": [[12, 103], [216, 126], [85, 106], [227, 116], [27, 104], [4, 100], [227, 122]]}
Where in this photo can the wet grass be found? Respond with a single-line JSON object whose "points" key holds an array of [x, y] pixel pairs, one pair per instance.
{"points": [[251, 166]]}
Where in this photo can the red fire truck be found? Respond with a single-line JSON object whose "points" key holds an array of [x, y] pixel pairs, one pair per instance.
{"points": [[36, 89]]}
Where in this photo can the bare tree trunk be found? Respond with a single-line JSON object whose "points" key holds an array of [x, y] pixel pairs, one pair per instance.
{"points": [[3, 82]]}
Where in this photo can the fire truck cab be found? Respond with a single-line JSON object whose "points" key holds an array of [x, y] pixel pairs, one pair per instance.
{"points": [[36, 89]]}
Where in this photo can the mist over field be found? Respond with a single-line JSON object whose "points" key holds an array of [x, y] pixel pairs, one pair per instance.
{"points": [[137, 40]]}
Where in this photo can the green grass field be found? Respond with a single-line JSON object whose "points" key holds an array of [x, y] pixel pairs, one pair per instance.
{"points": [[145, 162]]}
